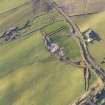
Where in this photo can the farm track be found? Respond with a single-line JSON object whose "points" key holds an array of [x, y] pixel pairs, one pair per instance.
{"points": [[88, 59], [67, 61]]}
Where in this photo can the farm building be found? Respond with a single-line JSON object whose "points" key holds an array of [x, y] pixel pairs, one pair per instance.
{"points": [[9, 34], [90, 35]]}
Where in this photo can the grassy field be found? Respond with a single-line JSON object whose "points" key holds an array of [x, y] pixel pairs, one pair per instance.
{"points": [[29, 75], [15, 17], [9, 4], [97, 23], [64, 40]]}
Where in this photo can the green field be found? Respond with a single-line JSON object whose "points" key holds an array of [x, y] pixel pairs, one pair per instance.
{"points": [[9, 4], [29, 75], [97, 23], [15, 17], [64, 40]]}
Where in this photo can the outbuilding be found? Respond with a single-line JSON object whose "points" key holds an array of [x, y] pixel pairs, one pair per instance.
{"points": [[90, 35]]}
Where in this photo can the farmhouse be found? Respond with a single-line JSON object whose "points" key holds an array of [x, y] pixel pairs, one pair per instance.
{"points": [[10, 33], [51, 46], [54, 48], [90, 35]]}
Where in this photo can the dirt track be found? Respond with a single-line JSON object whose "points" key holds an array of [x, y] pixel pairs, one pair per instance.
{"points": [[88, 59]]}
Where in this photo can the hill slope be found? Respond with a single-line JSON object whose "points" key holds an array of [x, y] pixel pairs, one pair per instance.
{"points": [[29, 75], [97, 23]]}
